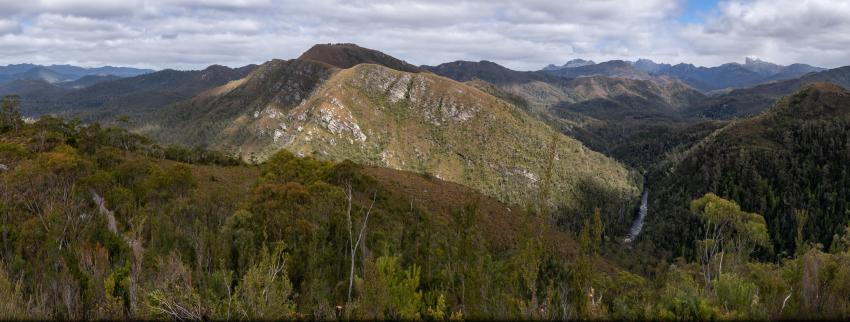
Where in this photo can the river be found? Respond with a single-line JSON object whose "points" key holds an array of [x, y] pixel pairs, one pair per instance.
{"points": [[637, 225]]}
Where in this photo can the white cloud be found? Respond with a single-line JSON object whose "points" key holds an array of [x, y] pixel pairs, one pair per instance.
{"points": [[784, 31], [520, 34]]}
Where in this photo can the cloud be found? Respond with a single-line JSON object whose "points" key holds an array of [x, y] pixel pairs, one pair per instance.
{"points": [[527, 34], [784, 31]]}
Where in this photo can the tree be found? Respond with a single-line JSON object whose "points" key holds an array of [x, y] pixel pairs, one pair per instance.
{"points": [[392, 291], [265, 290], [801, 217], [726, 229], [352, 243], [10, 114], [597, 228]]}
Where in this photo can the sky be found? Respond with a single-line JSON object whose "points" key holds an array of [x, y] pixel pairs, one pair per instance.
{"points": [[523, 35]]}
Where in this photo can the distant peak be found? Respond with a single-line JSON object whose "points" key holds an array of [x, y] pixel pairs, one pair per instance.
{"points": [[578, 62], [347, 55]]}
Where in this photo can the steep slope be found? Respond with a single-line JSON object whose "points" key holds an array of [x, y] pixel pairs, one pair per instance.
{"points": [[794, 157], [751, 101], [420, 122], [224, 115], [350, 55]]}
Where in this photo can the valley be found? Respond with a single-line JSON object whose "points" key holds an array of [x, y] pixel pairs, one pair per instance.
{"points": [[350, 184]]}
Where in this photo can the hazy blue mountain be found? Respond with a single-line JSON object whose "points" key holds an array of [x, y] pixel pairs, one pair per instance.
{"points": [[614, 68], [55, 74], [129, 95], [753, 100], [88, 80], [105, 70], [650, 66], [578, 62], [731, 75]]}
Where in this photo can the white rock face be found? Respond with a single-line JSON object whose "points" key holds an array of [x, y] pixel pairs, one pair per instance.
{"points": [[337, 119], [399, 89]]}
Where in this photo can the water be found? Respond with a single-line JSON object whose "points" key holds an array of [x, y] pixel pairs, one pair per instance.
{"points": [[637, 225]]}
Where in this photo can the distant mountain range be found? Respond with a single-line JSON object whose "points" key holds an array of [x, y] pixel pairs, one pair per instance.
{"points": [[342, 101], [632, 111], [570, 64], [70, 71], [753, 71], [30, 79]]}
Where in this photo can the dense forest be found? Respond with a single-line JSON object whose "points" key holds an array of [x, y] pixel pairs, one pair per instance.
{"points": [[789, 164], [99, 223]]}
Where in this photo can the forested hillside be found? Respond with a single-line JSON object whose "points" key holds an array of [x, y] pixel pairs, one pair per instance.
{"points": [[789, 164], [101, 223], [98, 223]]}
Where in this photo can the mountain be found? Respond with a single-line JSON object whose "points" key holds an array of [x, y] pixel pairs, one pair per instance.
{"points": [[349, 55], [570, 64], [39, 86], [650, 66], [713, 78], [464, 71], [794, 157], [79, 72], [795, 71], [88, 80], [33, 91], [45, 74], [132, 96], [626, 118], [630, 119], [614, 68], [751, 101], [63, 73], [373, 114], [761, 67], [731, 75], [12, 69]]}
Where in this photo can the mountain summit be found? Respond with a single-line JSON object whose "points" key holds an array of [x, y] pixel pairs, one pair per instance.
{"points": [[350, 55]]}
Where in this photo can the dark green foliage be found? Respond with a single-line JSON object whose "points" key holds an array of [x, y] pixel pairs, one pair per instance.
{"points": [[10, 113], [795, 158], [191, 241]]}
